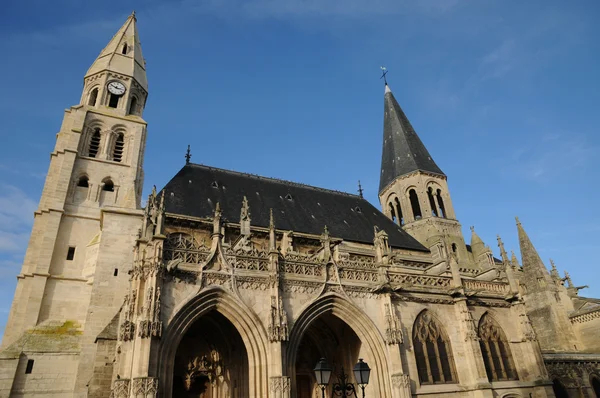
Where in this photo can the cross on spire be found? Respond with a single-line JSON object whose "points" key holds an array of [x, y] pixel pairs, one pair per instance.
{"points": [[188, 155], [360, 189], [384, 72]]}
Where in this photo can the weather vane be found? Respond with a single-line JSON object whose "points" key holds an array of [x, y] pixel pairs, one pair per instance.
{"points": [[384, 71], [188, 155], [360, 189]]}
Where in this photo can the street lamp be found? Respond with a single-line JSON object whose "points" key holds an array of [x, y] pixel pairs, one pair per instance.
{"points": [[322, 373], [343, 388]]}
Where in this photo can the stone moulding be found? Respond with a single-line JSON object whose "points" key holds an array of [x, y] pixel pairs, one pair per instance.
{"points": [[587, 317]]}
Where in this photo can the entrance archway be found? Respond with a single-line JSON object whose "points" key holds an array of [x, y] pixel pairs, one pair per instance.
{"points": [[244, 321], [211, 361], [327, 337], [350, 326]]}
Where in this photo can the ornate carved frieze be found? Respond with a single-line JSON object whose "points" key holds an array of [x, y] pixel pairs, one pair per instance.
{"points": [[486, 286], [421, 299], [183, 248], [362, 275], [278, 324], [279, 384], [586, 317], [253, 283], [301, 268], [350, 260], [393, 331], [488, 303], [419, 280], [215, 278], [120, 389], [401, 381], [145, 387], [572, 373]]}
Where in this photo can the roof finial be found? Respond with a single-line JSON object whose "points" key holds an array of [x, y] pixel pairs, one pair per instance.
{"points": [[384, 71], [360, 189], [133, 15], [188, 155]]}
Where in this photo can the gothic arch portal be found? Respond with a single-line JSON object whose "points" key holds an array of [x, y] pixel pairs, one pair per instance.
{"points": [[361, 325], [243, 319]]}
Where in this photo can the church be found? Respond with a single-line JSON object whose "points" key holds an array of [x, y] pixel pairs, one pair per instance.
{"points": [[233, 285]]}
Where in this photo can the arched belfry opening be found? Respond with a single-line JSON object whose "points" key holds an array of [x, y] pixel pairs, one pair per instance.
{"points": [[327, 337], [211, 360]]}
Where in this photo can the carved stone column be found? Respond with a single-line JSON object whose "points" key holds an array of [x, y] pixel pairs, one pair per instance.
{"points": [[120, 389], [144, 387], [280, 387], [401, 385]]}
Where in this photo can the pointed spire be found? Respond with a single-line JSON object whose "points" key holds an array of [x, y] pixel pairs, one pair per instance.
{"points": [[503, 253], [272, 236], [514, 261], [123, 54], [568, 279], [403, 151], [532, 263], [477, 245], [245, 217], [554, 272]]}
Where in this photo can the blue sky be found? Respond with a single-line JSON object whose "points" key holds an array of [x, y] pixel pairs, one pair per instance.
{"points": [[505, 95]]}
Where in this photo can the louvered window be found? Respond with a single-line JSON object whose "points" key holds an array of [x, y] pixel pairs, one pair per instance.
{"points": [[118, 149], [94, 144]]}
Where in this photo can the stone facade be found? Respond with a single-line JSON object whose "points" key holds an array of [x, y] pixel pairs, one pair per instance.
{"points": [[118, 301]]}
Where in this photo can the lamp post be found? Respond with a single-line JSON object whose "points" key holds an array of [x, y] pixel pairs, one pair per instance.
{"points": [[343, 388]]}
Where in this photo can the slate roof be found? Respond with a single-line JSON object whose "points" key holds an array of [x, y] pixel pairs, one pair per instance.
{"points": [[403, 151], [196, 189]]}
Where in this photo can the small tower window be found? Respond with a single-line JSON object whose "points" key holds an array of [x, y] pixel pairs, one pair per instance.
{"points": [[133, 105], [29, 367], [94, 144], [93, 97], [454, 248], [432, 202], [393, 213], [71, 253], [414, 203], [83, 182], [108, 186], [124, 51], [113, 101], [118, 149], [441, 203]]}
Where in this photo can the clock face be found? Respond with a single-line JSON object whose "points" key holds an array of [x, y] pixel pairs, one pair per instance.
{"points": [[116, 88]]}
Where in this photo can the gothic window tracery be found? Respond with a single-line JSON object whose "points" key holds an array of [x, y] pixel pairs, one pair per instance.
{"points": [[441, 204], [433, 353], [496, 351]]}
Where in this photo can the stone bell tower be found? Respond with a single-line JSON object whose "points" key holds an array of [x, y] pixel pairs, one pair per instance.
{"points": [[90, 202], [413, 190]]}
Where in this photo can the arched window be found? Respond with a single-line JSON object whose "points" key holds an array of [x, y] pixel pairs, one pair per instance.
{"points": [[94, 144], [93, 97], [559, 389], [83, 182], [433, 353], [392, 213], [441, 203], [595, 383], [117, 155], [108, 186], [454, 248], [432, 202], [414, 203], [498, 360], [124, 51], [113, 101], [400, 216], [133, 105]]}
